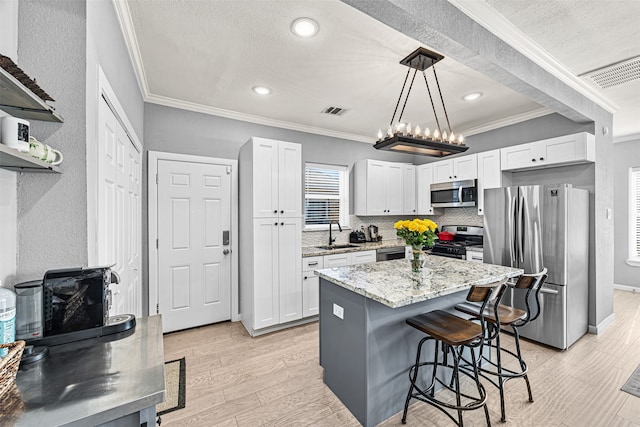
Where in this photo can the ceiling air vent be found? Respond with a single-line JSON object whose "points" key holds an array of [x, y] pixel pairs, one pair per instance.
{"points": [[334, 111], [615, 74]]}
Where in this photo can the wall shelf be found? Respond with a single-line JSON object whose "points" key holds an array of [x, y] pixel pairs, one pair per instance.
{"points": [[16, 161], [17, 100]]}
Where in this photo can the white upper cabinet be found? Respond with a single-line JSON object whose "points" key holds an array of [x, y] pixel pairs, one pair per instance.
{"points": [[489, 175], [424, 178], [378, 188], [277, 178], [559, 151], [458, 169], [409, 202]]}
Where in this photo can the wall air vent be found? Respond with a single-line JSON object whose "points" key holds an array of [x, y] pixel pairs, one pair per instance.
{"points": [[334, 111], [615, 74]]}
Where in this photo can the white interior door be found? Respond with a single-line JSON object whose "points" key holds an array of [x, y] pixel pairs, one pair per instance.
{"points": [[194, 262], [119, 189]]}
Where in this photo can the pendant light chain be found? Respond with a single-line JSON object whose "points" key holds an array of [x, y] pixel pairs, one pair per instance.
{"points": [[441, 98], [399, 98], [407, 97], [431, 98]]}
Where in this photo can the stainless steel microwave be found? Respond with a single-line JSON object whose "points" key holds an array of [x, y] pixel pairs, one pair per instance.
{"points": [[456, 194]]}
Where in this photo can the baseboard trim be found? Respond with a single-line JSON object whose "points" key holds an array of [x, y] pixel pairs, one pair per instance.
{"points": [[602, 326], [626, 288], [274, 328]]}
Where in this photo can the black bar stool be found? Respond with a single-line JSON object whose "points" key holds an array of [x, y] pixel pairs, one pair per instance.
{"points": [[503, 315], [455, 334]]}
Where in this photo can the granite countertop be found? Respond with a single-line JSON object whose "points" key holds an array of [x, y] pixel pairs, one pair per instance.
{"points": [[308, 251], [393, 284], [93, 381]]}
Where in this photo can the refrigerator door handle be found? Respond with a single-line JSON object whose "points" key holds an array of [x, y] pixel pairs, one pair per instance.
{"points": [[520, 236], [548, 291], [512, 232]]}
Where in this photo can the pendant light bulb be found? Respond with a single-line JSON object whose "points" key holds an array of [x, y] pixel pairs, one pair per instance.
{"points": [[379, 134], [408, 129], [436, 134], [444, 136], [417, 131], [460, 139], [390, 132], [427, 133], [452, 138]]}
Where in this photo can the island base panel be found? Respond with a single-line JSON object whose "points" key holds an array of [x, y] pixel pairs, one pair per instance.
{"points": [[366, 356]]}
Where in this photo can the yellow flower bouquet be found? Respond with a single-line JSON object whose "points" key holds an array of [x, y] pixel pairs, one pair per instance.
{"points": [[418, 233]]}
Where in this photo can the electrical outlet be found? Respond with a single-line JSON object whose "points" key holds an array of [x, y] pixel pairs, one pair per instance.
{"points": [[338, 311]]}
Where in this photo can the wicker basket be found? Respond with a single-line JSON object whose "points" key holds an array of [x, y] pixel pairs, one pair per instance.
{"points": [[9, 364]]}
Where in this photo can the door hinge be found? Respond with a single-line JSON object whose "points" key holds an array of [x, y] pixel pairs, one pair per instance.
{"points": [[158, 308], [157, 244]]}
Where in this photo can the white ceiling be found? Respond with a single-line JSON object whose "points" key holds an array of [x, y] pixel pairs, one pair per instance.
{"points": [[207, 55]]}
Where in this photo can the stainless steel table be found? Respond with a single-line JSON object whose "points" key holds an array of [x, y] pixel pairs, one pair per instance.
{"points": [[114, 381]]}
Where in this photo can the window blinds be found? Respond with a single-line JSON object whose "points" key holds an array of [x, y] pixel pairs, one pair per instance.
{"points": [[322, 189], [635, 213]]}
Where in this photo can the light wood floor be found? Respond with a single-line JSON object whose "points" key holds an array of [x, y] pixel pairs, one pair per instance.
{"points": [[275, 380]]}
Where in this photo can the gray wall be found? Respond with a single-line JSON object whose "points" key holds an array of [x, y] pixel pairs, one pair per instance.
{"points": [[61, 44], [626, 155], [52, 209]]}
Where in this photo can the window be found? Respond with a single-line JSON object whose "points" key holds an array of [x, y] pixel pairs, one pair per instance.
{"points": [[634, 216], [326, 195]]}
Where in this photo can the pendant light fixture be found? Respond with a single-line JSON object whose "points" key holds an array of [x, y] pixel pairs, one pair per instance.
{"points": [[403, 137]]}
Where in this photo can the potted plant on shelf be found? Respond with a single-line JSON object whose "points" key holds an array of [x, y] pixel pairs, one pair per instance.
{"points": [[417, 233]]}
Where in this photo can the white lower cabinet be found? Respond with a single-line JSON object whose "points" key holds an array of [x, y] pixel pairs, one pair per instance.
{"points": [[272, 292], [311, 286], [475, 256], [349, 258]]}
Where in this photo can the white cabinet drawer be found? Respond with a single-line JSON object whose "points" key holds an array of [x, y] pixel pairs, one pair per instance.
{"points": [[474, 256], [363, 257], [337, 260], [312, 263]]}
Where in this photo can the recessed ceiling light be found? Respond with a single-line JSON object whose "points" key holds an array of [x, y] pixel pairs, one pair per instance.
{"points": [[261, 90], [304, 27], [472, 96]]}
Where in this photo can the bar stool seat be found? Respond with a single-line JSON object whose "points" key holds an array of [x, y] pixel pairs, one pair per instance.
{"points": [[503, 315], [454, 334]]}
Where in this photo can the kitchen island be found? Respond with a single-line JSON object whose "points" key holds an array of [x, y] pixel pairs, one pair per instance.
{"points": [[114, 380], [366, 348]]}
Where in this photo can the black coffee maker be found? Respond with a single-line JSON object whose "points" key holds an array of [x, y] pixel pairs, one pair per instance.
{"points": [[75, 306]]}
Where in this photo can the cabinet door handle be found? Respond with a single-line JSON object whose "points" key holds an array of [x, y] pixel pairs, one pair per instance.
{"points": [[450, 177], [305, 277], [455, 176], [282, 223], [541, 158], [275, 211], [312, 263], [276, 224], [533, 160], [282, 211]]}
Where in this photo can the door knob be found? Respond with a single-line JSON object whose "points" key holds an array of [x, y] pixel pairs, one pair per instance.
{"points": [[226, 252]]}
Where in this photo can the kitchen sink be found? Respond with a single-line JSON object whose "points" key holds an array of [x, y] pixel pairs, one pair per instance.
{"points": [[338, 247]]}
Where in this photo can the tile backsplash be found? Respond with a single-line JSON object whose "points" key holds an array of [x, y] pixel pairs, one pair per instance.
{"points": [[451, 216]]}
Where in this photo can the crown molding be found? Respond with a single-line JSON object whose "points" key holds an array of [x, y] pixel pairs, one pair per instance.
{"points": [[506, 121], [220, 112], [627, 138], [481, 12], [129, 34]]}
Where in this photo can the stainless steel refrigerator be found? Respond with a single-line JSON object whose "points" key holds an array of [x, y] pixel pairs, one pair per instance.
{"points": [[537, 226]]}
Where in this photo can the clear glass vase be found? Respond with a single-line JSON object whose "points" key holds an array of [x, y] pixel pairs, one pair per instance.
{"points": [[417, 259]]}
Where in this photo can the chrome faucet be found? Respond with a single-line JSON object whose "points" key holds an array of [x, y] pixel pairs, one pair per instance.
{"points": [[331, 240]]}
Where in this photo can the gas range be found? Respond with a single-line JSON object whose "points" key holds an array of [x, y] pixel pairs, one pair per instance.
{"points": [[465, 236]]}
